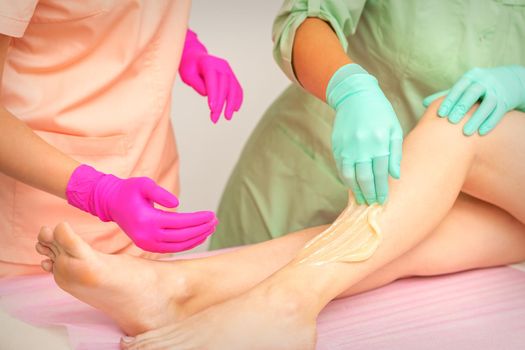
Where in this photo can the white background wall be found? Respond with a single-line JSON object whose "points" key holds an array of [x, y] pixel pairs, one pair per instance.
{"points": [[240, 31]]}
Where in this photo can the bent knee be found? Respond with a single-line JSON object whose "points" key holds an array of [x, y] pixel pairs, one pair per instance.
{"points": [[431, 114], [441, 130]]}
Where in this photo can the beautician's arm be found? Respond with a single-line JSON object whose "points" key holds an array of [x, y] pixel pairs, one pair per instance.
{"points": [[25, 156], [366, 135], [128, 202], [317, 54]]}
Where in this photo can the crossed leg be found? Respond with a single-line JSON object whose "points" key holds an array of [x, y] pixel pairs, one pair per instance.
{"points": [[194, 285], [289, 301]]}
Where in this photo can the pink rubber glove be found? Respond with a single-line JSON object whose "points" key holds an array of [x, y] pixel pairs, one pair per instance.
{"points": [[129, 203], [210, 76]]}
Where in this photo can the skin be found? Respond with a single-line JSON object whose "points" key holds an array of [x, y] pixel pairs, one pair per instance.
{"points": [[205, 301], [312, 65], [45, 168]]}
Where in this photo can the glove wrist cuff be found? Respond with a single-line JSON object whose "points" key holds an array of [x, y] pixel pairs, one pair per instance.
{"points": [[346, 81], [87, 190], [192, 46]]}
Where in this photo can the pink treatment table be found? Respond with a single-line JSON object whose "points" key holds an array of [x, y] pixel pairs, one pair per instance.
{"points": [[482, 309]]}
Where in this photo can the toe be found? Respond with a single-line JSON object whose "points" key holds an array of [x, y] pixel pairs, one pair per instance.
{"points": [[47, 265], [68, 240], [160, 338], [43, 250], [54, 247], [148, 345], [46, 239], [45, 236], [126, 343]]}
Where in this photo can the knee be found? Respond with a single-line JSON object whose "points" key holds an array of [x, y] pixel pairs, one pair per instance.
{"points": [[432, 109], [431, 114], [441, 129], [432, 125]]}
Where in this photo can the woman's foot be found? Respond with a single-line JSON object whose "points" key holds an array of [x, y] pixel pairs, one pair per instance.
{"points": [[257, 320], [138, 294]]}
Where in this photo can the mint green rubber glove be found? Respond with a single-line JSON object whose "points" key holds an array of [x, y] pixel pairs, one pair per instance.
{"points": [[366, 137], [500, 90]]}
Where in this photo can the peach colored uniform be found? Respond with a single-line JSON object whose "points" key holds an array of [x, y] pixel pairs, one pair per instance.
{"points": [[94, 79]]}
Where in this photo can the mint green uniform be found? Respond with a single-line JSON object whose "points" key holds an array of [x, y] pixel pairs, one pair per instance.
{"points": [[286, 179]]}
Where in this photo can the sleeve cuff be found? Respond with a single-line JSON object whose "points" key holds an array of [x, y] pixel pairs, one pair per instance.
{"points": [[12, 26], [284, 36]]}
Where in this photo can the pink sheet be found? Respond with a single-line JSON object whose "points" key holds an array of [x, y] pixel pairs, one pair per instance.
{"points": [[482, 309]]}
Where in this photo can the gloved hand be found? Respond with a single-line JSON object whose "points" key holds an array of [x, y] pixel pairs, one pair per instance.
{"points": [[366, 137], [129, 203], [210, 76], [500, 90]]}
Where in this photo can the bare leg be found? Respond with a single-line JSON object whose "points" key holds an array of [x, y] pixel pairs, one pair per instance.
{"points": [[227, 277], [493, 238], [142, 295], [474, 235], [298, 292]]}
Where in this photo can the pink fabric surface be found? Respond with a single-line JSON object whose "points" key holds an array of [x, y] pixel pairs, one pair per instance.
{"points": [[483, 309]]}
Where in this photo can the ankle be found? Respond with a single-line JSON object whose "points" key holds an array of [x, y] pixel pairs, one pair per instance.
{"points": [[305, 287], [192, 289], [286, 303], [183, 287], [289, 298]]}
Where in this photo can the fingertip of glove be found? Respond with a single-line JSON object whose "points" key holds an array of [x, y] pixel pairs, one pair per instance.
{"points": [[483, 131], [395, 172], [442, 111], [173, 203], [370, 201], [359, 199], [453, 120], [468, 131]]}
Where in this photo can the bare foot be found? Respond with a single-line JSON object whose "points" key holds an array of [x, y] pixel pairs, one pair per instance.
{"points": [[255, 321], [138, 294]]}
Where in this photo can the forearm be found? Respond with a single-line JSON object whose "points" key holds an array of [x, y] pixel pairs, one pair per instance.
{"points": [[29, 159], [317, 54]]}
